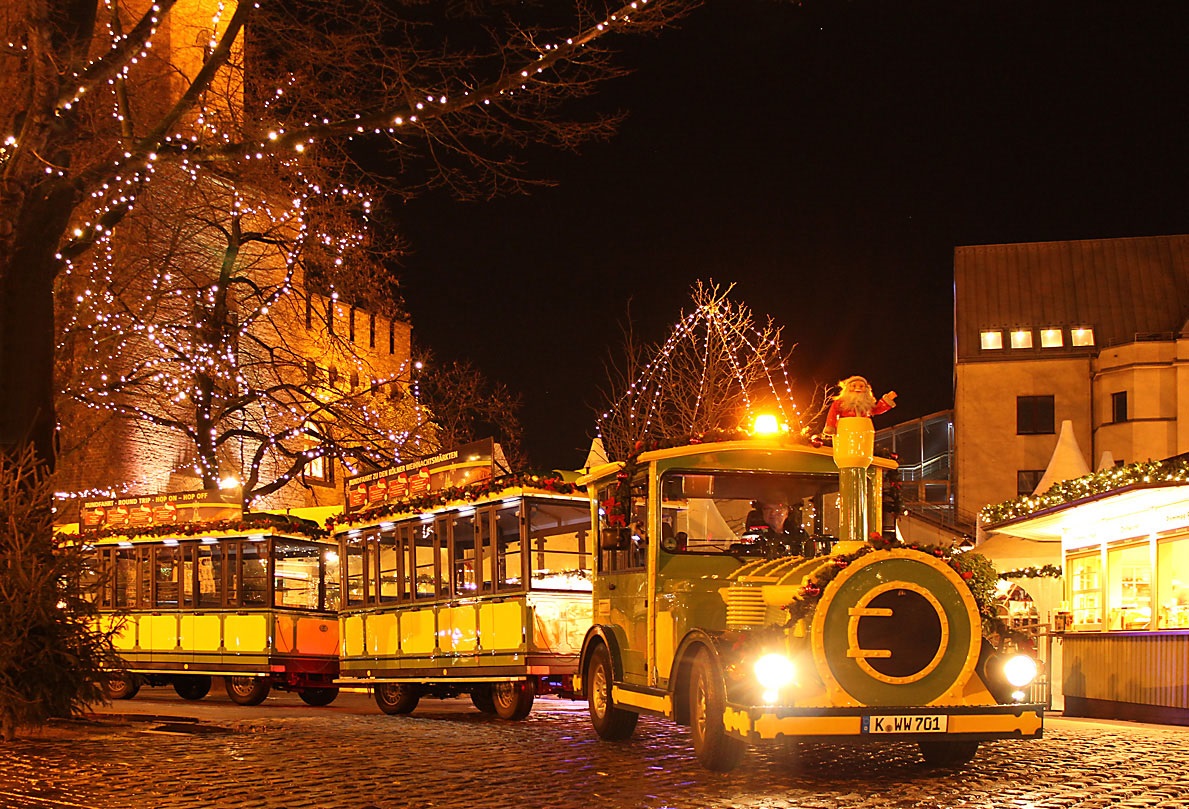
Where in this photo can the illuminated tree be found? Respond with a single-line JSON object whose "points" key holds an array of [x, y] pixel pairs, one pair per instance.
{"points": [[211, 314], [449, 91], [716, 370]]}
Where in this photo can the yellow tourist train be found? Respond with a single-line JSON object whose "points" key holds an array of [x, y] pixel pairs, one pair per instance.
{"points": [[743, 585]]}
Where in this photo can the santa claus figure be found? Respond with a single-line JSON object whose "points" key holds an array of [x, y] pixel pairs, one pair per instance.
{"points": [[856, 399]]}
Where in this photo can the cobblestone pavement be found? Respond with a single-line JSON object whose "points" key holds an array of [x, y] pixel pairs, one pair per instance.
{"points": [[446, 756]]}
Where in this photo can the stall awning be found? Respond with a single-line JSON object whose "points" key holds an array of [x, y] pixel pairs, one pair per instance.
{"points": [[1144, 508]]}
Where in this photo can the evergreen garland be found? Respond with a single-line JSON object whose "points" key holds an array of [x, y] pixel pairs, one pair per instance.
{"points": [[546, 481], [251, 523], [1172, 470]]}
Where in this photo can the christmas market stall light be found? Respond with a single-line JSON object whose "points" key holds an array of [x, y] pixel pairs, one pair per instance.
{"points": [[1136, 475]]}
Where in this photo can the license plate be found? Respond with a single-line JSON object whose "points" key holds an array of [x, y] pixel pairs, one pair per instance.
{"points": [[909, 723]]}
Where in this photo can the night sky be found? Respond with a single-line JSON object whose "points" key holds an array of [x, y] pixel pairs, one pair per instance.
{"points": [[826, 158]]}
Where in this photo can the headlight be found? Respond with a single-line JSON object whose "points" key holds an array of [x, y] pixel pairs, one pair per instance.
{"points": [[1020, 670], [774, 671]]}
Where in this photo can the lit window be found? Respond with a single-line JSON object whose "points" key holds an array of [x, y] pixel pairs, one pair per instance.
{"points": [[991, 340], [1021, 338], [1051, 338], [1082, 336]]}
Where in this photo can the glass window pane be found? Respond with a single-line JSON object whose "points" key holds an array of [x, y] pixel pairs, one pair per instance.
{"points": [[559, 536], [424, 560], [144, 567], [332, 575], [388, 566], [256, 589], [297, 574], [1086, 590], [464, 561], [210, 575], [1172, 560], [991, 340], [1083, 336], [1051, 338], [126, 577], [509, 551], [1129, 591], [354, 572], [1021, 339], [167, 574]]}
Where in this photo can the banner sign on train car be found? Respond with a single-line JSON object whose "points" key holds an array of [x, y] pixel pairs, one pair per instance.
{"points": [[464, 466], [161, 509]]}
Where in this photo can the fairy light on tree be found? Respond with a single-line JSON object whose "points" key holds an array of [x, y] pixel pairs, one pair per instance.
{"points": [[716, 371]]}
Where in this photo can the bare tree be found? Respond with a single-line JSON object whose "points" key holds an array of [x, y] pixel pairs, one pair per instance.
{"points": [[465, 406], [102, 95], [715, 371]]}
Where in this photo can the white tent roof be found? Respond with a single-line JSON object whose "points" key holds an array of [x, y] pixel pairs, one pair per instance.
{"points": [[1067, 461]]}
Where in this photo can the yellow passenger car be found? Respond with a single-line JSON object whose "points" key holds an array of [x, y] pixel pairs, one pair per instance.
{"points": [[487, 592], [243, 599]]}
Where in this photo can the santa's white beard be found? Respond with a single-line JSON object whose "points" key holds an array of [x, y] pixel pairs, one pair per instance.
{"points": [[856, 403]]}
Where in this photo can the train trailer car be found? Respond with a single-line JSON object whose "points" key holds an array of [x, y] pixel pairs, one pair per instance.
{"points": [[244, 599], [483, 590], [743, 589]]}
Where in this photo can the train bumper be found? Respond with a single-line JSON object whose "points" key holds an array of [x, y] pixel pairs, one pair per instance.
{"points": [[755, 723]]}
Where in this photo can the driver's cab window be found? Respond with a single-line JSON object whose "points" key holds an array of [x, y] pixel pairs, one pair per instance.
{"points": [[747, 513], [623, 526]]}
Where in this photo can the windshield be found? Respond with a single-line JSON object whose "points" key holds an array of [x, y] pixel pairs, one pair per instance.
{"points": [[747, 513]]}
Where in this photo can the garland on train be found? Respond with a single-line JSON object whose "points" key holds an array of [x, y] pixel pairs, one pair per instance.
{"points": [[253, 523], [974, 569], [547, 481]]}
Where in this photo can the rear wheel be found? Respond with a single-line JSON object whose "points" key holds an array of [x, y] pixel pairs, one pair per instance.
{"points": [[121, 685], [610, 723], [707, 700], [247, 690], [513, 700], [192, 686], [396, 698], [481, 698], [318, 696], [947, 754]]}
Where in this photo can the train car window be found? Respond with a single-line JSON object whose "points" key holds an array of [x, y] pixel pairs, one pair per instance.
{"points": [[559, 543], [442, 557], [167, 567], [210, 575], [425, 573], [297, 579], [388, 566], [509, 550], [256, 589], [404, 563], [484, 533], [231, 573], [371, 568], [332, 580], [464, 557], [186, 553], [354, 570], [125, 576], [144, 566]]}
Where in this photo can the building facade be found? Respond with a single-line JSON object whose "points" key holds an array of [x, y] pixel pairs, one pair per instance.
{"points": [[1093, 332]]}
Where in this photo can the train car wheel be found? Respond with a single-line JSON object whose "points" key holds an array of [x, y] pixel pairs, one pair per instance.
{"points": [[120, 686], [707, 694], [192, 686], [318, 696], [610, 723], [247, 690], [513, 701], [481, 698], [397, 698], [948, 754]]}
